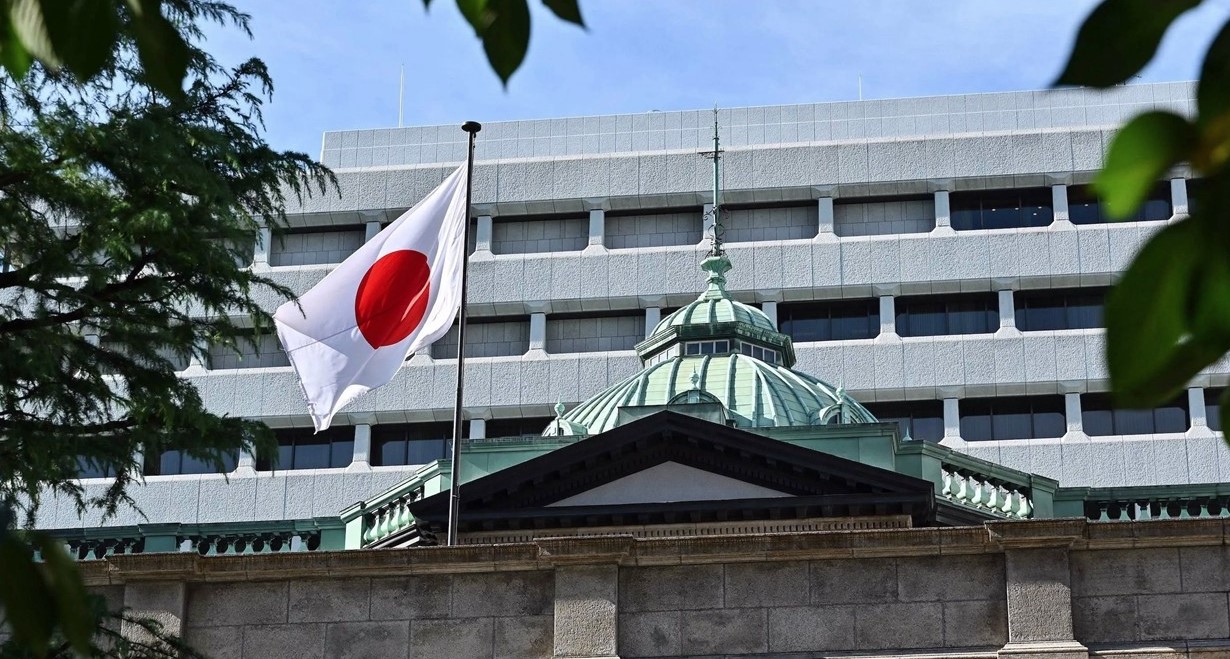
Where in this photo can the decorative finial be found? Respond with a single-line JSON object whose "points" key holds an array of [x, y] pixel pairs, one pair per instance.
{"points": [[695, 379], [559, 409]]}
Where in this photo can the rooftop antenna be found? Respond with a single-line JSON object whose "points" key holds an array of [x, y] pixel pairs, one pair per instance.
{"points": [[401, 95], [860, 86], [715, 238]]}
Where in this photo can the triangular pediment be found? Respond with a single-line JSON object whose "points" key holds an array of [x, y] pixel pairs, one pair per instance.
{"points": [[666, 483], [607, 480]]}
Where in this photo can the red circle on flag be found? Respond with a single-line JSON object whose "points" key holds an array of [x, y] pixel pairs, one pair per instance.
{"points": [[392, 297]]}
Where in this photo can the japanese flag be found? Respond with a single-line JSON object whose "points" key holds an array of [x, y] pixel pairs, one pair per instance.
{"points": [[395, 295]]}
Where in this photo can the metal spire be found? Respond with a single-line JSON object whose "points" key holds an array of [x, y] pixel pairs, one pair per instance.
{"points": [[715, 238]]}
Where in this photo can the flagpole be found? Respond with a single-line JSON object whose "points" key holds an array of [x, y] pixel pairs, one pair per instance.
{"points": [[454, 496]]}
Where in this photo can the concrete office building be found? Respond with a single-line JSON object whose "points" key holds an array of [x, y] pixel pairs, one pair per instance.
{"points": [[901, 333]]}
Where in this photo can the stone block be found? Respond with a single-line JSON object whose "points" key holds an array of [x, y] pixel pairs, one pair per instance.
{"points": [[585, 611], [811, 629], [160, 601], [216, 641], [527, 637], [726, 632], [255, 603], [854, 581], [503, 594], [1125, 572], [1104, 619], [416, 597], [329, 600], [1182, 616], [374, 640], [766, 584], [976, 623], [654, 634], [463, 637], [283, 642], [899, 626], [1039, 595], [670, 588], [935, 578]]}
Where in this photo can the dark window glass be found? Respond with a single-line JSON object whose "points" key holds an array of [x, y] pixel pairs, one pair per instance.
{"points": [[1195, 190], [1100, 417], [1034, 417], [839, 320], [1212, 407], [1046, 310], [1000, 209], [298, 448], [918, 419], [178, 462], [412, 443], [976, 313], [89, 469], [517, 427], [1084, 207]]}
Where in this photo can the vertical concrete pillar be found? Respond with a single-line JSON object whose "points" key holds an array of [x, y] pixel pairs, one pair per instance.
{"points": [[162, 601], [1195, 405], [888, 315], [825, 227], [586, 615], [260, 253], [952, 423], [653, 315], [1059, 203], [1178, 197], [1072, 413], [538, 332], [246, 465], [361, 459], [482, 234], [370, 229], [1007, 310], [478, 428], [943, 216], [770, 310], [1037, 578], [597, 227]]}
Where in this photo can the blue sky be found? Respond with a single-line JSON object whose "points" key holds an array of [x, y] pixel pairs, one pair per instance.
{"points": [[335, 64]]}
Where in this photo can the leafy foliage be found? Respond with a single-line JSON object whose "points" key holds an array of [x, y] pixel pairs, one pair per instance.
{"points": [[504, 28], [1169, 316]]}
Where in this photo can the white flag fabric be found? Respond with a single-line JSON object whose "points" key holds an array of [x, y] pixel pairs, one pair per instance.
{"points": [[395, 295]]}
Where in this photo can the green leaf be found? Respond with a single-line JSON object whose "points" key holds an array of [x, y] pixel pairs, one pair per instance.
{"points": [[566, 10], [1148, 348], [1141, 152], [30, 26], [504, 27], [1213, 90], [13, 55], [72, 601], [27, 603], [163, 52], [82, 32], [1118, 38]]}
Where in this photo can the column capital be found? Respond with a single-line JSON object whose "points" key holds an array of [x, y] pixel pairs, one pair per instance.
{"points": [[596, 203]]}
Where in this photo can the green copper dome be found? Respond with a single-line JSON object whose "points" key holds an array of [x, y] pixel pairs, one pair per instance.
{"points": [[720, 359]]}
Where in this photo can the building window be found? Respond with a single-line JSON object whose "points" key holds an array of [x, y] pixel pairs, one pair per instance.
{"points": [[757, 352], [707, 347], [1000, 209], [1084, 206], [976, 313], [1212, 407], [1045, 310], [1100, 417], [179, 462], [1035, 417], [412, 443], [522, 427], [921, 420], [87, 468], [840, 320], [298, 448]]}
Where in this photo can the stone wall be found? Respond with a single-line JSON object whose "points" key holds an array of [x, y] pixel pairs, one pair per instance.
{"points": [[1058, 589]]}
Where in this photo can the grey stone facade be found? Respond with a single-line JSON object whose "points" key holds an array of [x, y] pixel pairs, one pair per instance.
{"points": [[1064, 588]]}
